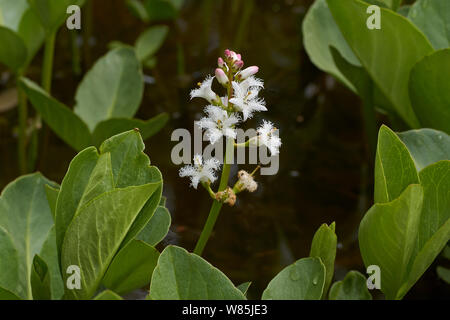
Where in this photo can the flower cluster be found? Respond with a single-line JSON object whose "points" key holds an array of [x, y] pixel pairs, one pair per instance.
{"points": [[223, 114]]}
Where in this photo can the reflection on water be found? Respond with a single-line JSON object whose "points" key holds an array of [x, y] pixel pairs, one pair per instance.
{"points": [[324, 173]]}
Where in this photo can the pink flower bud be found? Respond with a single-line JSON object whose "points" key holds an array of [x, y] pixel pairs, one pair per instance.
{"points": [[239, 64], [227, 53], [220, 62], [221, 76], [247, 72]]}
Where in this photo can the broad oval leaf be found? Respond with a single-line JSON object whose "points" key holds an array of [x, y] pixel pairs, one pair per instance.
{"points": [[429, 88], [302, 280], [10, 279], [353, 287], [25, 216], [13, 52], [131, 268], [394, 167], [157, 227], [387, 238], [180, 275], [96, 233], [67, 125], [433, 18], [435, 180], [324, 247], [320, 32], [426, 146], [113, 88], [52, 13], [120, 163], [387, 54], [150, 41]]}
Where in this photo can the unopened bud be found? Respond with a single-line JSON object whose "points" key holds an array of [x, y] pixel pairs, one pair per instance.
{"points": [[239, 64], [247, 72], [220, 62], [221, 76]]}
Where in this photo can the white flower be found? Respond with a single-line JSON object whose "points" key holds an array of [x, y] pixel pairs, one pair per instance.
{"points": [[268, 136], [201, 171], [245, 97], [218, 124], [205, 91], [247, 181]]}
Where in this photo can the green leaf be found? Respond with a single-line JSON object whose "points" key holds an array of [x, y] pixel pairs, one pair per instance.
{"points": [[433, 18], [113, 88], [429, 88], [426, 256], [426, 146], [68, 126], [324, 247], [131, 166], [353, 287], [394, 167], [108, 295], [138, 9], [435, 180], [159, 10], [387, 54], [52, 13], [52, 196], [111, 127], [180, 275], [25, 221], [9, 268], [7, 295], [157, 227], [131, 268], [40, 279], [320, 32], [150, 41], [72, 190], [32, 33], [12, 12], [49, 254], [103, 223], [13, 52], [387, 238], [302, 280], [243, 287]]}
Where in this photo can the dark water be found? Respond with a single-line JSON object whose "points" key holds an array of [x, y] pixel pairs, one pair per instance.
{"points": [[325, 174]]}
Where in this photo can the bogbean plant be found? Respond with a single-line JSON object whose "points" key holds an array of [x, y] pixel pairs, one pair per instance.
{"points": [[401, 69], [115, 82], [224, 113]]}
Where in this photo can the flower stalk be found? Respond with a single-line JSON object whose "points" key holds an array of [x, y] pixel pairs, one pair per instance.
{"points": [[223, 114]]}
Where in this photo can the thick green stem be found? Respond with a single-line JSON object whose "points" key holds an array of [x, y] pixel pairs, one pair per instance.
{"points": [[23, 114], [48, 62], [217, 205]]}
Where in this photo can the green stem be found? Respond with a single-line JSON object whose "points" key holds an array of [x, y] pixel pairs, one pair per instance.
{"points": [[23, 114], [48, 62], [216, 206]]}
